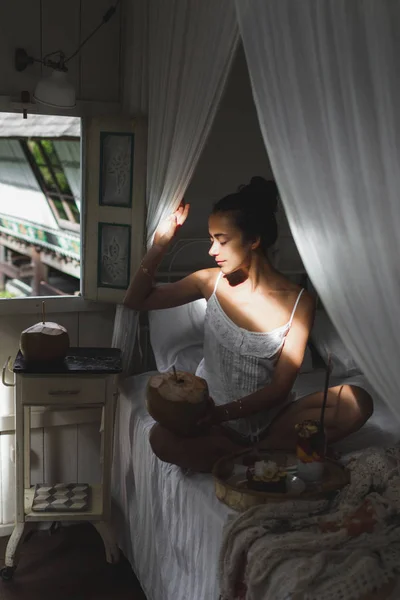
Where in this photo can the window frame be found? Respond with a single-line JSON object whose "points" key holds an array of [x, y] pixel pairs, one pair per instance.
{"points": [[54, 305]]}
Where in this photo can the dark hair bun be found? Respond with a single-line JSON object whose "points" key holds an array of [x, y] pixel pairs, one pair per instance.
{"points": [[253, 207], [260, 193]]}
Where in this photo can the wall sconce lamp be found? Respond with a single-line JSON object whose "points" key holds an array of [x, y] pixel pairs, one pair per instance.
{"points": [[55, 90]]}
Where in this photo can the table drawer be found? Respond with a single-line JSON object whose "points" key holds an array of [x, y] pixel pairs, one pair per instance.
{"points": [[62, 390]]}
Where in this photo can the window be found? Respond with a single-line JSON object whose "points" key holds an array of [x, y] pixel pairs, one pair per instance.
{"points": [[40, 206], [41, 200]]}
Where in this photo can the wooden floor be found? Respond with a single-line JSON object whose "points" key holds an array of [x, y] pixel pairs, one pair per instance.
{"points": [[69, 564]]}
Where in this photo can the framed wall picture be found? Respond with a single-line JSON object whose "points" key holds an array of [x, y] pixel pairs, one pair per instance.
{"points": [[116, 169], [113, 268]]}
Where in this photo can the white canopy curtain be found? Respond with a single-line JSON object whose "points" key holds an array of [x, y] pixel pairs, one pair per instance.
{"points": [[326, 82], [191, 44]]}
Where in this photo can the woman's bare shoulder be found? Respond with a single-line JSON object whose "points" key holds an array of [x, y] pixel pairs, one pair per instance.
{"points": [[308, 300], [290, 292], [305, 310], [206, 280], [305, 298]]}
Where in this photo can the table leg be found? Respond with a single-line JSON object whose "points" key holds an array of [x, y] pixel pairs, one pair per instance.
{"points": [[27, 447], [19, 455], [109, 541], [18, 535], [107, 451]]}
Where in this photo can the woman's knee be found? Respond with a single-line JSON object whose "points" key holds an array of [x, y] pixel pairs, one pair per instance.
{"points": [[364, 401], [198, 454], [160, 442]]}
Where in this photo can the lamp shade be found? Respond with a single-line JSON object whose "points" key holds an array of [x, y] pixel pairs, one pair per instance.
{"points": [[55, 91]]}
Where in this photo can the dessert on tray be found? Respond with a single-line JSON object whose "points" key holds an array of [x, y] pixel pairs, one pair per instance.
{"points": [[267, 476]]}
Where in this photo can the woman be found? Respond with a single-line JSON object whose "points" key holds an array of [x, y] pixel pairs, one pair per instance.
{"points": [[256, 330]]}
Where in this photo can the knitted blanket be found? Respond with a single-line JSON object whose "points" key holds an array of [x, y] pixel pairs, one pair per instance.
{"points": [[335, 549]]}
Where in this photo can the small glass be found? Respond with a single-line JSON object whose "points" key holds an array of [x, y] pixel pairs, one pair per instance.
{"points": [[310, 450]]}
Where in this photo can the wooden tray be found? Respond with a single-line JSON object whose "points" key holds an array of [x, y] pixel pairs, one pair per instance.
{"points": [[231, 483]]}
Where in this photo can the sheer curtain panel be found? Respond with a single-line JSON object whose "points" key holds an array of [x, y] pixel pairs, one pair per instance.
{"points": [[326, 82], [191, 45]]}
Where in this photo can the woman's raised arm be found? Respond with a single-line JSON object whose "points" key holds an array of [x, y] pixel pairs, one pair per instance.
{"points": [[142, 294]]}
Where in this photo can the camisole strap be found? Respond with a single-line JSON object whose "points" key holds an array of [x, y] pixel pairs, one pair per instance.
{"points": [[295, 306], [217, 282]]}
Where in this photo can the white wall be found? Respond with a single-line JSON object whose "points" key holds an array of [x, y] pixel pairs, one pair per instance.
{"points": [[44, 26]]}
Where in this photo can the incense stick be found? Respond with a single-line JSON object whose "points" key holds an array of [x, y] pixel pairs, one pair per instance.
{"points": [[327, 375]]}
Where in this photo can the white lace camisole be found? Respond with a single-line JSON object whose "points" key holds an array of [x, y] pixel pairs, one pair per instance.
{"points": [[238, 362]]}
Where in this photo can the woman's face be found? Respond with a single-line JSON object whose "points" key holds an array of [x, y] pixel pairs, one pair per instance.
{"points": [[228, 249]]}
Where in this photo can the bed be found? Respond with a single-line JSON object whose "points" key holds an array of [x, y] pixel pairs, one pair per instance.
{"points": [[169, 524]]}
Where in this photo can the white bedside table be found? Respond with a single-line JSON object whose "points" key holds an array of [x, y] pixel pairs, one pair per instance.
{"points": [[87, 377]]}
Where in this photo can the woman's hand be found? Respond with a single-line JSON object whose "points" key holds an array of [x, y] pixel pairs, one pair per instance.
{"points": [[169, 226], [212, 416]]}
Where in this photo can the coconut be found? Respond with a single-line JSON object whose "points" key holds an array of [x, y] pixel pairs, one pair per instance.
{"points": [[177, 400], [44, 341]]}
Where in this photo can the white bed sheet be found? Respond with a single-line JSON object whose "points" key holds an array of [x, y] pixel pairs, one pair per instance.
{"points": [[169, 525]]}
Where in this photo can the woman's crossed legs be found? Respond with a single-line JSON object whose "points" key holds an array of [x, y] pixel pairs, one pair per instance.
{"points": [[347, 409]]}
